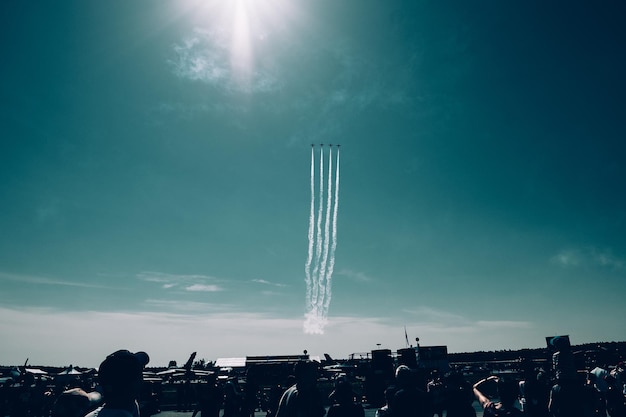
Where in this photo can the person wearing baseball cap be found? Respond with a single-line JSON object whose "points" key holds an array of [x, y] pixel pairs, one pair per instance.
{"points": [[120, 376]]}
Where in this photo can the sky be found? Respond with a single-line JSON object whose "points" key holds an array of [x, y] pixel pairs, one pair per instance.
{"points": [[155, 164]]}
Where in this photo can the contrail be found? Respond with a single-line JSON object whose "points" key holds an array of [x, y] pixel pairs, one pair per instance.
{"points": [[318, 240], [309, 259], [321, 246], [326, 243], [331, 266]]}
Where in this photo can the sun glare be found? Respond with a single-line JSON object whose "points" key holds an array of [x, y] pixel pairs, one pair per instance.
{"points": [[240, 38], [249, 23]]}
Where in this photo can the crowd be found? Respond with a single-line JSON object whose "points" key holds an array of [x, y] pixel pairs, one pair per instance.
{"points": [[119, 391]]}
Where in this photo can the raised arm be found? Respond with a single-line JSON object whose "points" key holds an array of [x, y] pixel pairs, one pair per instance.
{"points": [[480, 396]]}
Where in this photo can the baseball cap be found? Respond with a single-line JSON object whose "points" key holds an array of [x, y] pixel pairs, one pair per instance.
{"points": [[122, 367]]}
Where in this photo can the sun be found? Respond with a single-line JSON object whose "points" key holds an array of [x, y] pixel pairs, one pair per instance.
{"points": [[251, 21], [241, 48], [249, 32]]}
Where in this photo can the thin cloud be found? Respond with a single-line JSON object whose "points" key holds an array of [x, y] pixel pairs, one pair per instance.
{"points": [[588, 257], [433, 315], [358, 83], [204, 56], [507, 324], [188, 307], [203, 288], [268, 293], [265, 282], [193, 282], [567, 258], [607, 259], [440, 319], [164, 277], [197, 61], [32, 279], [354, 275]]}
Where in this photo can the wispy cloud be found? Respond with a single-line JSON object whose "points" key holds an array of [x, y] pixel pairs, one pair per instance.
{"points": [[567, 258], [354, 275], [446, 320], [506, 324], [32, 279], [202, 283], [356, 83], [588, 257], [164, 277], [265, 282], [185, 306], [269, 293], [205, 56], [203, 288]]}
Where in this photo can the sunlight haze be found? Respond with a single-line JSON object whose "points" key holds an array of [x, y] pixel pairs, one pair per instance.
{"points": [[156, 165]]}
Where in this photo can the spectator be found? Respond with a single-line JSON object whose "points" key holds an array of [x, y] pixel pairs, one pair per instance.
{"points": [[75, 402], [458, 396], [344, 404], [410, 400], [534, 392], [435, 390], [507, 392], [120, 375], [385, 410], [233, 396], [568, 399], [302, 399], [562, 359], [210, 399]]}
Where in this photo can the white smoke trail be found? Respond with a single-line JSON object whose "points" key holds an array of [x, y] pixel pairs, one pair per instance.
{"points": [[331, 266], [326, 243], [323, 260], [309, 259], [318, 239]]}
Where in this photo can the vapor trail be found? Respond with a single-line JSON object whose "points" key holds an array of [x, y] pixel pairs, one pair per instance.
{"points": [[331, 266], [322, 241], [309, 259], [318, 241], [322, 276]]}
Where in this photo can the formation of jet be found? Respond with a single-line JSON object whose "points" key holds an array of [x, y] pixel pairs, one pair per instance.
{"points": [[322, 145]]}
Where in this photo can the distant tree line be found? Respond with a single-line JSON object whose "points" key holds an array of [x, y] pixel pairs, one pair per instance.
{"points": [[605, 352]]}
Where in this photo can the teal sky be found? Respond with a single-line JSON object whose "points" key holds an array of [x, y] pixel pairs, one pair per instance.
{"points": [[155, 161]]}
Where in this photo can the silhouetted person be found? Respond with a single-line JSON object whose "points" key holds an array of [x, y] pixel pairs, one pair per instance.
{"points": [[615, 401], [562, 359], [507, 392], [120, 376], [302, 399], [233, 397], [343, 399], [251, 400], [534, 392], [75, 402], [458, 396], [210, 398], [385, 410], [568, 399], [276, 391], [410, 400], [435, 390]]}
